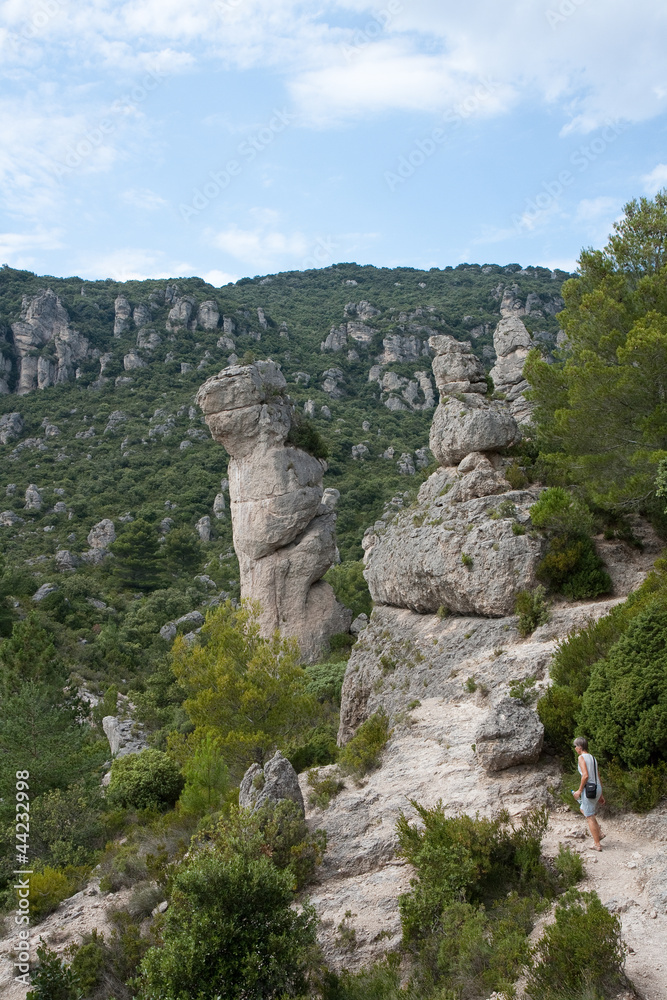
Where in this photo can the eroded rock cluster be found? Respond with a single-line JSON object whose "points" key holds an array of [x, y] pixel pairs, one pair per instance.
{"points": [[283, 532], [464, 546], [48, 348]]}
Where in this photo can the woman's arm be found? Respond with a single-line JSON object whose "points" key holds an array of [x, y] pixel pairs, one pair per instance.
{"points": [[584, 777]]}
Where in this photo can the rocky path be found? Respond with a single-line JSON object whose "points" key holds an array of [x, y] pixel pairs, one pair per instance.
{"points": [[630, 877]]}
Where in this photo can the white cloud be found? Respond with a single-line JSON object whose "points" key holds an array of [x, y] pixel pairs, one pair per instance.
{"points": [[219, 278], [15, 248], [144, 198], [656, 180], [591, 209], [263, 248], [133, 264]]}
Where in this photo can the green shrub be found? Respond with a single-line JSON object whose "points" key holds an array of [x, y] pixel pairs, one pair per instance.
{"points": [[88, 961], [524, 691], [466, 560], [532, 610], [639, 789], [230, 932], [145, 780], [326, 680], [558, 710], [350, 587], [48, 888], [580, 954], [316, 749], [323, 789], [362, 753], [124, 869], [571, 564], [303, 434], [624, 708], [569, 866], [52, 979]]}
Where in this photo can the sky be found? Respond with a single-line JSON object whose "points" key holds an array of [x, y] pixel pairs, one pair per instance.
{"points": [[225, 138]]}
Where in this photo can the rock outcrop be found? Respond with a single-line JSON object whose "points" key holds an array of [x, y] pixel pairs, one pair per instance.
{"points": [[283, 533], [100, 537], [458, 549], [276, 782], [512, 343], [48, 347], [124, 735], [11, 427]]}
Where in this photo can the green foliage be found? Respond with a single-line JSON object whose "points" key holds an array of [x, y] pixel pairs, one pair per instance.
{"points": [[137, 555], [48, 888], [362, 753], [467, 560], [326, 680], [571, 564], [250, 692], [600, 411], [315, 748], [68, 825], [29, 654], [350, 587], [624, 708], [229, 932], [569, 865], [524, 691], [558, 710], [639, 789], [323, 789], [467, 917], [206, 778], [531, 607], [182, 551], [304, 434], [52, 979], [145, 780], [580, 954]]}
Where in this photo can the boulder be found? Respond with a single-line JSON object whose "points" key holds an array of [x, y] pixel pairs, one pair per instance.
{"points": [[470, 423], [133, 360], [44, 591], [33, 498], [512, 342], [11, 427], [8, 519], [276, 782], [203, 525], [66, 560], [511, 734], [124, 735], [208, 315], [102, 534], [44, 324], [283, 534]]}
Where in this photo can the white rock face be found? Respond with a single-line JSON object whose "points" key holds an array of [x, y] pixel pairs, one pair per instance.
{"points": [[451, 554], [44, 323], [208, 315], [102, 534], [11, 427], [8, 519], [123, 314], [148, 340], [133, 360], [125, 736], [142, 315], [219, 506], [33, 498], [180, 313], [470, 423], [66, 560], [283, 534], [512, 343], [275, 782], [203, 525]]}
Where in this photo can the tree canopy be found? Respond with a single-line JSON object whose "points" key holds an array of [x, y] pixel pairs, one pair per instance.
{"points": [[601, 409]]}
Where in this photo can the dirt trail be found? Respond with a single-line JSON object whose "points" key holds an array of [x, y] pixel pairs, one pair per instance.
{"points": [[630, 877]]}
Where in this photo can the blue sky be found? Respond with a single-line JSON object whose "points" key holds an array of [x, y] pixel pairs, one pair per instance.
{"points": [[224, 138]]}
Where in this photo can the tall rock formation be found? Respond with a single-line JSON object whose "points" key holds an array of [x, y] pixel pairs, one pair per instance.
{"points": [[283, 533], [464, 546], [48, 347], [512, 343]]}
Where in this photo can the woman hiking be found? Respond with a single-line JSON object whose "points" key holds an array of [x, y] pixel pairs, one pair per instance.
{"points": [[588, 769]]}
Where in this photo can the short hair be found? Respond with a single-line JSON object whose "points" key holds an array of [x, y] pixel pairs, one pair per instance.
{"points": [[582, 742]]}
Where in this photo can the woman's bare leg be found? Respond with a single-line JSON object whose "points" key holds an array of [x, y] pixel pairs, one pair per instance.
{"points": [[594, 827]]}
